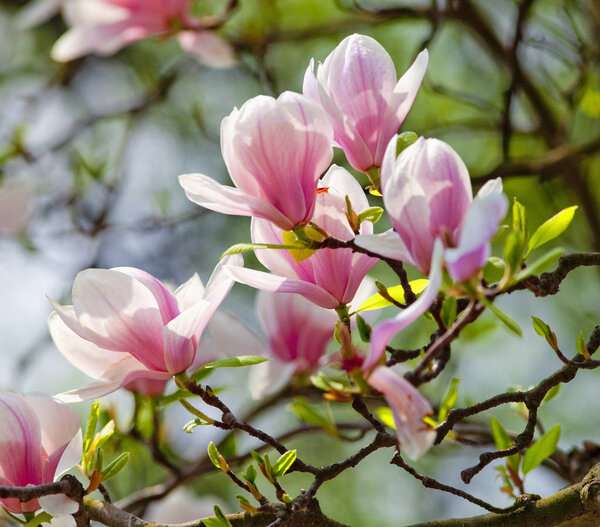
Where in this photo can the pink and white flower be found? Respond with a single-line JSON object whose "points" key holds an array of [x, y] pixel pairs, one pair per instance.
{"points": [[125, 325], [427, 194], [366, 104], [330, 277], [409, 408], [275, 150], [106, 26], [40, 439]]}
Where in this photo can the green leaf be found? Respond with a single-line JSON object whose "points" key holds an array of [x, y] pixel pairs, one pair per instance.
{"points": [[38, 519], [214, 455], [541, 264], [544, 330], [258, 458], [513, 250], [115, 467], [250, 474], [449, 308], [397, 293], [405, 139], [551, 228], [541, 450], [581, 346], [504, 441], [364, 329], [243, 501], [449, 400], [520, 218], [552, 393], [504, 318], [501, 437], [104, 435], [283, 464], [307, 414], [386, 416], [92, 424], [371, 214], [221, 517], [494, 269], [239, 248], [212, 522], [233, 362]]}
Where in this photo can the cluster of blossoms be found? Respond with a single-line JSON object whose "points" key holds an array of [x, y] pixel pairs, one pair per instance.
{"points": [[312, 227]]}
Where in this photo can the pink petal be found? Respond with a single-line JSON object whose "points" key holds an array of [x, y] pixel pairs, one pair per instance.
{"points": [[388, 244], [58, 505], [208, 47], [188, 293], [409, 408], [100, 389], [209, 194], [479, 226], [83, 354], [167, 303], [180, 336], [384, 332], [59, 424], [400, 102], [20, 440], [121, 314], [267, 378], [271, 282]]}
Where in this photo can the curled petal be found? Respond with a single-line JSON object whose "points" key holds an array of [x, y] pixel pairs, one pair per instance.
{"points": [[384, 332], [408, 407], [188, 293], [388, 244], [479, 226]]}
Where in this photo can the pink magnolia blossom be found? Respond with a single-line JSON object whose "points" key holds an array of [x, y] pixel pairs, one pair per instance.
{"points": [[297, 333], [106, 26], [40, 439], [408, 407], [366, 104], [275, 151], [125, 325], [329, 277], [427, 193]]}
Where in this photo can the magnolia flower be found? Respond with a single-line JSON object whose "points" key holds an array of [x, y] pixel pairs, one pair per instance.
{"points": [[106, 26], [275, 151], [297, 333], [358, 88], [15, 207], [329, 277], [40, 439], [408, 407], [427, 194], [125, 325]]}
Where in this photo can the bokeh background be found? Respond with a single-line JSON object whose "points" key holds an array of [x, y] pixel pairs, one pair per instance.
{"points": [[513, 86]]}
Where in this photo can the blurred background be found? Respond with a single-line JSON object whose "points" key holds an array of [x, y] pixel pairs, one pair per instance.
{"points": [[90, 152]]}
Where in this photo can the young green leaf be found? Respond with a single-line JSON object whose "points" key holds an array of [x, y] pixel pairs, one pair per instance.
{"points": [[214, 455], [232, 362], [581, 346], [519, 219], [250, 474], [364, 329], [115, 467], [551, 228], [449, 308], [239, 248], [38, 519], [212, 522], [371, 214], [309, 415], [397, 293], [541, 449], [405, 139], [544, 330], [386, 416], [449, 399], [504, 318], [513, 250], [283, 464], [92, 423], [541, 264], [504, 441], [221, 517], [257, 457], [552, 393]]}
